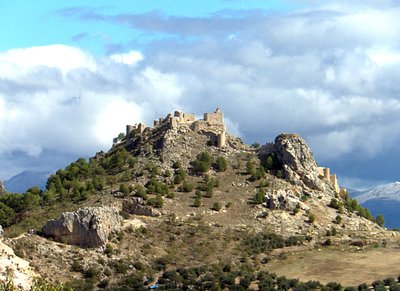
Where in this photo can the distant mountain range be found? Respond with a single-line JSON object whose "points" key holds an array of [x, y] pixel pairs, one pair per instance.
{"points": [[383, 199], [25, 180]]}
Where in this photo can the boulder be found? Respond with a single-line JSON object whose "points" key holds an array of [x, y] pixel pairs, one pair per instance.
{"points": [[137, 206], [282, 199], [87, 227], [298, 164]]}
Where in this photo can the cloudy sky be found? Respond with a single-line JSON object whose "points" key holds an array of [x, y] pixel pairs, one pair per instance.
{"points": [[72, 76]]}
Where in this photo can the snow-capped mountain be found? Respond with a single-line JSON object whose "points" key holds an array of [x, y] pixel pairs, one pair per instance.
{"points": [[383, 199]]}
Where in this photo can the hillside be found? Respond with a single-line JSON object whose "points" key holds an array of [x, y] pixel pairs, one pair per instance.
{"points": [[199, 208]]}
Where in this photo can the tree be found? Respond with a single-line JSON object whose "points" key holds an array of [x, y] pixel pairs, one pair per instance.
{"points": [[203, 161], [197, 202], [259, 196], [7, 215], [380, 220], [221, 164]]}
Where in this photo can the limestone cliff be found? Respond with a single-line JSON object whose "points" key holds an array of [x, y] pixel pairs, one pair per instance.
{"points": [[297, 161]]}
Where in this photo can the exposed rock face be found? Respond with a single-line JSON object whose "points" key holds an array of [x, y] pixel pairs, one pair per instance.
{"points": [[297, 160], [137, 206], [1, 231], [87, 227], [283, 199], [22, 274]]}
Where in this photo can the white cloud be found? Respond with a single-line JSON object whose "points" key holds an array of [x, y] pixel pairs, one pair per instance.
{"points": [[17, 62], [130, 58]]}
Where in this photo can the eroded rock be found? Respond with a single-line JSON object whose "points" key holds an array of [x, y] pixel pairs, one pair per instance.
{"points": [[87, 227], [15, 268], [297, 161], [137, 206]]}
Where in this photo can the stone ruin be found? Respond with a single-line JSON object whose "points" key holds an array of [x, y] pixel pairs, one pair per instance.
{"points": [[325, 173], [212, 125]]}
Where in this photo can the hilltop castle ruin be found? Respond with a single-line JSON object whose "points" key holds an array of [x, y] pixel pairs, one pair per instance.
{"points": [[325, 172], [212, 125]]}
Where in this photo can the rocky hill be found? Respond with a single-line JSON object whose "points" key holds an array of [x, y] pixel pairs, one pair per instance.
{"points": [[198, 206]]}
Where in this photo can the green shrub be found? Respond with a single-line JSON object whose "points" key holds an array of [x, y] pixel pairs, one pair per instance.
{"points": [[202, 164], [109, 250], [156, 202], [259, 197], [221, 164], [197, 202], [217, 206], [311, 217]]}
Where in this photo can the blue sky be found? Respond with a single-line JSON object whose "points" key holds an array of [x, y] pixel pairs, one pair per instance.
{"points": [[26, 23], [72, 75]]}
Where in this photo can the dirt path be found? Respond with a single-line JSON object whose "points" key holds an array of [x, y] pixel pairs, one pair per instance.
{"points": [[348, 267]]}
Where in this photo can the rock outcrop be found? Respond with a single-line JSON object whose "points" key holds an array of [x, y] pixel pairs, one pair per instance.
{"points": [[15, 268], [137, 206], [87, 227], [284, 199], [296, 158], [1, 231]]}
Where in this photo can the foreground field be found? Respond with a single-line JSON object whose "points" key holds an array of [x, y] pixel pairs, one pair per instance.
{"points": [[350, 266]]}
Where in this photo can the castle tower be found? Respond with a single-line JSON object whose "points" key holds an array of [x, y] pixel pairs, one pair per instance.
{"points": [[327, 174], [129, 129], [222, 139]]}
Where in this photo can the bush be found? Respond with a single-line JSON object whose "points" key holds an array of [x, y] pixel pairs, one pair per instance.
{"points": [[202, 164], [338, 219], [108, 250], [217, 206], [180, 175], [221, 164], [197, 202], [380, 220], [92, 272], [156, 202], [259, 197], [124, 189], [311, 217], [187, 186], [334, 203]]}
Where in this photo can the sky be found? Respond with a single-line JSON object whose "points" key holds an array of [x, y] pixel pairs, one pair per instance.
{"points": [[72, 75]]}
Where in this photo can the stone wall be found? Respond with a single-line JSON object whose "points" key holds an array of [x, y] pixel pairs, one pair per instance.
{"points": [[325, 173], [215, 117]]}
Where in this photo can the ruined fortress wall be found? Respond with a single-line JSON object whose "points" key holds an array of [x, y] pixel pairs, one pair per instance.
{"points": [[129, 129], [325, 172], [189, 117], [221, 139], [214, 118]]}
